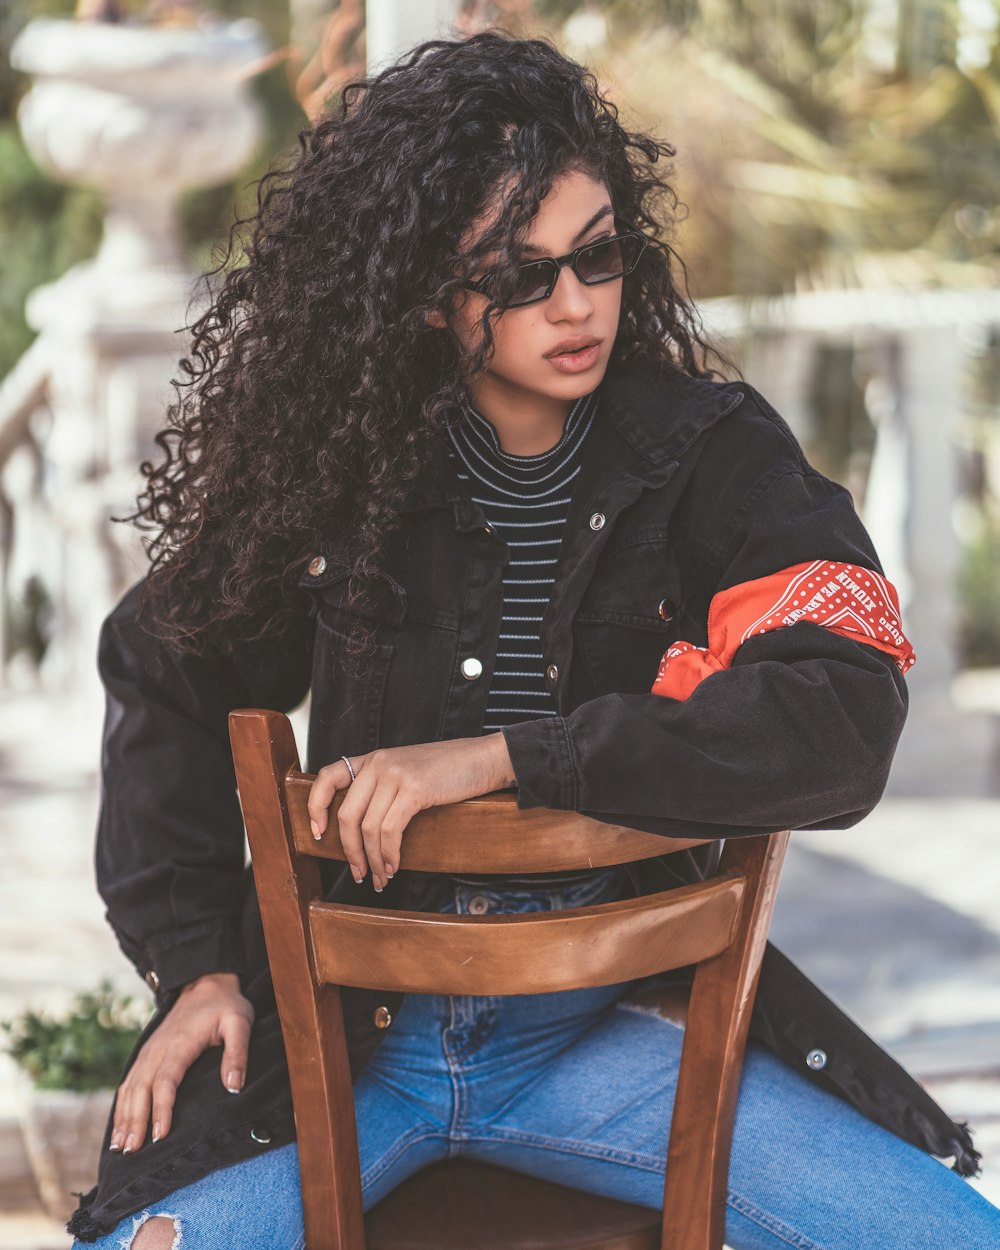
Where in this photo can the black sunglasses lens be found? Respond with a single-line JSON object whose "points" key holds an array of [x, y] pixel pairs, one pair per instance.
{"points": [[600, 262], [611, 258], [532, 283]]}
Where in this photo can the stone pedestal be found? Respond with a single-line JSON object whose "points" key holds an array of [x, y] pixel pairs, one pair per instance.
{"points": [[145, 114], [944, 749], [394, 26]]}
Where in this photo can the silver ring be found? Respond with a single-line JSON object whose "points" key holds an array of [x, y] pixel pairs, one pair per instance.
{"points": [[354, 775]]}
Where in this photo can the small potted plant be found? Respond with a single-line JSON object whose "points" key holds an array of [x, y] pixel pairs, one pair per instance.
{"points": [[72, 1065]]}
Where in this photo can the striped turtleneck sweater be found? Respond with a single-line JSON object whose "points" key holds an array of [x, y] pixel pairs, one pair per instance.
{"points": [[525, 499]]}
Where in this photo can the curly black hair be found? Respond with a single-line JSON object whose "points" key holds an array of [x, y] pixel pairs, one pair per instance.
{"points": [[315, 385]]}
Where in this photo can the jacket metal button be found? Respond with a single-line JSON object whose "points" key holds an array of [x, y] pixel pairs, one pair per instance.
{"points": [[597, 521], [261, 1134], [666, 610], [552, 672], [816, 1059], [382, 1017], [472, 668], [152, 980], [478, 904], [317, 565]]}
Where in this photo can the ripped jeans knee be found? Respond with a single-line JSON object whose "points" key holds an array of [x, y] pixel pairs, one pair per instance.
{"points": [[254, 1203], [153, 1232]]}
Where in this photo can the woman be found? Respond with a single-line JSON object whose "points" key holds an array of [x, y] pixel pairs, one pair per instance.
{"points": [[452, 460]]}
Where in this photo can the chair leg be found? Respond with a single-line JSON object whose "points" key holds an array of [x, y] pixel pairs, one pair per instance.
{"points": [[312, 1021], [722, 994]]}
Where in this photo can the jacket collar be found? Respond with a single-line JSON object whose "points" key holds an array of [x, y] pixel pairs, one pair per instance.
{"points": [[660, 414], [657, 416]]}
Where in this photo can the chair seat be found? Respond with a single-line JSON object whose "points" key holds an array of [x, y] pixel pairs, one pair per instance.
{"points": [[461, 1204]]}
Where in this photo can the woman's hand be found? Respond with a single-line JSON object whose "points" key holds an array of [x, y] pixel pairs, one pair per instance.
{"points": [[394, 784], [208, 1012]]}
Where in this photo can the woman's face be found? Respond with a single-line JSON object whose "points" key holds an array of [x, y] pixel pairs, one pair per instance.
{"points": [[533, 344]]}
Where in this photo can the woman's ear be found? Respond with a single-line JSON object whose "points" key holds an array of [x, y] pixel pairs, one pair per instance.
{"points": [[436, 319]]}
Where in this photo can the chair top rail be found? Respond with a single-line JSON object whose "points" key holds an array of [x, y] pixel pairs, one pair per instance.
{"points": [[540, 952], [508, 839]]}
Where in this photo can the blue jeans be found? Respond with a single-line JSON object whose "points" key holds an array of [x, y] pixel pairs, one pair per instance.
{"points": [[578, 1087]]}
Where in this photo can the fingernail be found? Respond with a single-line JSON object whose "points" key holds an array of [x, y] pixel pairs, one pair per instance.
{"points": [[115, 1143], [378, 889], [358, 876], [129, 1143], [234, 1082], [156, 1131], [388, 874], [317, 832]]}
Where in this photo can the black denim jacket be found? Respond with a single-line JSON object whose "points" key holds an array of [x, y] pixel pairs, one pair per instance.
{"points": [[687, 487]]}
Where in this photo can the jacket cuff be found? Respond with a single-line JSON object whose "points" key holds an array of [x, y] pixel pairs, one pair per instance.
{"points": [[542, 758], [181, 955]]}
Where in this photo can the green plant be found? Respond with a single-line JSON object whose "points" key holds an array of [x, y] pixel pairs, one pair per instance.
{"points": [[980, 599], [27, 619], [85, 1049]]}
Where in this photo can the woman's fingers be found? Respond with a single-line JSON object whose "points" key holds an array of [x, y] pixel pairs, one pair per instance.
{"points": [[121, 1115], [329, 779], [427, 774], [149, 1093], [349, 818], [235, 1031], [132, 1109], [138, 1118], [128, 1102], [164, 1096], [371, 831], [401, 811], [209, 1011]]}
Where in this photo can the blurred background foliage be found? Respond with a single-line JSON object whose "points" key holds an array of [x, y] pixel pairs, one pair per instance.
{"points": [[839, 143]]}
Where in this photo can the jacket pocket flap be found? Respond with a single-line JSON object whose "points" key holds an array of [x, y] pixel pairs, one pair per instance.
{"points": [[328, 580], [636, 585]]}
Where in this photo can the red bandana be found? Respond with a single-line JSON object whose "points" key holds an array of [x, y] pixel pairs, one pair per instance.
{"points": [[845, 598]]}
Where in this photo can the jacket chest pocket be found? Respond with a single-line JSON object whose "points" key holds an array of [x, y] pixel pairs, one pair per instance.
{"points": [[347, 702], [397, 695], [629, 614]]}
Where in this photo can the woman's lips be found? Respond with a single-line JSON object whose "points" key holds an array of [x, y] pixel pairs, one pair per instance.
{"points": [[575, 362]]}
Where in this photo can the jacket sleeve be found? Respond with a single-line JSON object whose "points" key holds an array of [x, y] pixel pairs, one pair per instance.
{"points": [[798, 733], [170, 839]]}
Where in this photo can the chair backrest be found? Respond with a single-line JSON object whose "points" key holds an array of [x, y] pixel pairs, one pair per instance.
{"points": [[314, 947]]}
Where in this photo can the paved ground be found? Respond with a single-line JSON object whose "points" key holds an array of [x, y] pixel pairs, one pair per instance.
{"points": [[896, 918]]}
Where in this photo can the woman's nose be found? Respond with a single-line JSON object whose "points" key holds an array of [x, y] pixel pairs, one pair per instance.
{"points": [[570, 300]]}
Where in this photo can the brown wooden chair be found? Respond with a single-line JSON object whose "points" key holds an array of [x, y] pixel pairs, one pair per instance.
{"points": [[314, 947]]}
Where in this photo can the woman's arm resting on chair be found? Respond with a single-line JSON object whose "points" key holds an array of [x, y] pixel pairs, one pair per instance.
{"points": [[395, 783]]}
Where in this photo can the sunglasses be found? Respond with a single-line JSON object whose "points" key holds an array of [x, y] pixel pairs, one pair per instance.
{"points": [[594, 263]]}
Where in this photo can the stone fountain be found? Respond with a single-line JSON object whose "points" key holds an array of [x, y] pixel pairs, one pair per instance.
{"points": [[144, 113]]}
